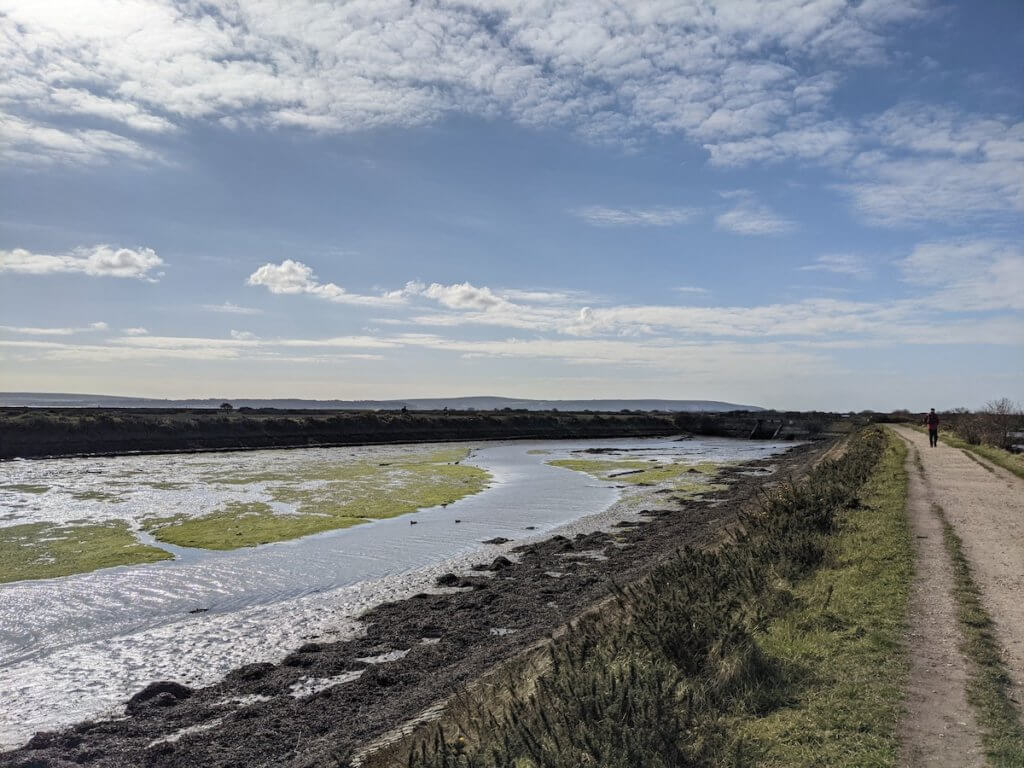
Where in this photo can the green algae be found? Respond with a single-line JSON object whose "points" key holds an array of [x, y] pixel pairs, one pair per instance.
{"points": [[49, 550], [326, 497], [245, 524], [113, 498], [167, 485], [537, 452], [635, 471], [26, 488]]}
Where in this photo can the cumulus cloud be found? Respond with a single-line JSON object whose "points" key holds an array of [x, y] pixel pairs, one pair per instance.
{"points": [[96, 261], [292, 277], [464, 296], [611, 72], [635, 217]]}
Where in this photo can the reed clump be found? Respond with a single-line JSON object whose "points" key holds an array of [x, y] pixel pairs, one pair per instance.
{"points": [[653, 682]]}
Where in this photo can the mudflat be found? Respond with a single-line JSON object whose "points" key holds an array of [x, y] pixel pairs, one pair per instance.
{"points": [[327, 698]]}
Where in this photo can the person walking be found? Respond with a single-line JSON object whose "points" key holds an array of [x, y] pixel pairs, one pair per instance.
{"points": [[932, 420]]}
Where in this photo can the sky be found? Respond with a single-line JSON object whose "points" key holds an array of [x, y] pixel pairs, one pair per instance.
{"points": [[791, 203]]}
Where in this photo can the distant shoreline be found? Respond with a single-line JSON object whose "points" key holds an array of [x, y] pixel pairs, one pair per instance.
{"points": [[29, 432]]}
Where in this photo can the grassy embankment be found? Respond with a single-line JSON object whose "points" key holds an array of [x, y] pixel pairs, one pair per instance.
{"points": [[781, 648], [1012, 462], [322, 497]]}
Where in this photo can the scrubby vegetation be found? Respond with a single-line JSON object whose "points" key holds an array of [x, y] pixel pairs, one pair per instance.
{"points": [[710, 654]]}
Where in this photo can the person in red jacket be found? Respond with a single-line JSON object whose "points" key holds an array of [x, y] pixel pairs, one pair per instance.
{"points": [[932, 420]]}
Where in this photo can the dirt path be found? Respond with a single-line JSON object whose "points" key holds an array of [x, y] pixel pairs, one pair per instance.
{"points": [[938, 727], [985, 506]]}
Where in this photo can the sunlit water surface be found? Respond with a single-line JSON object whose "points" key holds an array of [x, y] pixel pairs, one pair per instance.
{"points": [[77, 646]]}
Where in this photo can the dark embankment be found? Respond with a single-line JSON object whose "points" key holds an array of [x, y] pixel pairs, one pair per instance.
{"points": [[40, 432]]}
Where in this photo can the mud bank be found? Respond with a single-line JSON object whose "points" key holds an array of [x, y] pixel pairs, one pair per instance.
{"points": [[327, 698]]}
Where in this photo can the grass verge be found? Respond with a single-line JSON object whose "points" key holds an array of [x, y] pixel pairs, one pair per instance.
{"points": [[842, 640], [988, 689], [693, 666]]}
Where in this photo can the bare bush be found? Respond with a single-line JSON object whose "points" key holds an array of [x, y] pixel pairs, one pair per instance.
{"points": [[1001, 418]]}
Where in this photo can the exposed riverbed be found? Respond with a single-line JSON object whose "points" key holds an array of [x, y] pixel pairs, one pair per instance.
{"points": [[77, 646]]}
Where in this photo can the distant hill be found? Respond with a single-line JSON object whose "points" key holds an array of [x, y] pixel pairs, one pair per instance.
{"points": [[64, 400]]}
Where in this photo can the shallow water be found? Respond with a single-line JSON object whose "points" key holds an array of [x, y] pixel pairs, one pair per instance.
{"points": [[77, 646]]}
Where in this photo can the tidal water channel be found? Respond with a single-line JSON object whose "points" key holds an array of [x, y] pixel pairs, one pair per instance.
{"points": [[76, 647]]}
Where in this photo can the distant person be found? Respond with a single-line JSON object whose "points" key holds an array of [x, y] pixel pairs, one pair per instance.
{"points": [[932, 420]]}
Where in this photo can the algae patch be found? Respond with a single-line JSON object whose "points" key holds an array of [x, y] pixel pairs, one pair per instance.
{"points": [[324, 497], [49, 550], [637, 472], [113, 498], [26, 488]]}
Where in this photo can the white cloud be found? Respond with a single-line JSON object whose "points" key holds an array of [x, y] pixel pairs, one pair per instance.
{"points": [[231, 309], [849, 264], [635, 217], [138, 331], [610, 71], [30, 142], [464, 296], [969, 275], [96, 261], [243, 335], [291, 277], [750, 217], [36, 331]]}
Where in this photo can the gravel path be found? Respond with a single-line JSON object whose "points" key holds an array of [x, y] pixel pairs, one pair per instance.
{"points": [[985, 506], [938, 727]]}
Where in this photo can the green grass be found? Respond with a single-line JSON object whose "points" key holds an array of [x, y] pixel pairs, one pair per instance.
{"points": [[48, 550], [327, 497], [1012, 462], [988, 689], [842, 643]]}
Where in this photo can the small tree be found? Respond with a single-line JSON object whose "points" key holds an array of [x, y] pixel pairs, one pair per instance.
{"points": [[226, 407]]}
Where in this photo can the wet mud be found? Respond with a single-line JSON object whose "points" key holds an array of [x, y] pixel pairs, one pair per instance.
{"points": [[326, 699]]}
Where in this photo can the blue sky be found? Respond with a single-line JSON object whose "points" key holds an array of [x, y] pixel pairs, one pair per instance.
{"points": [[794, 203]]}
